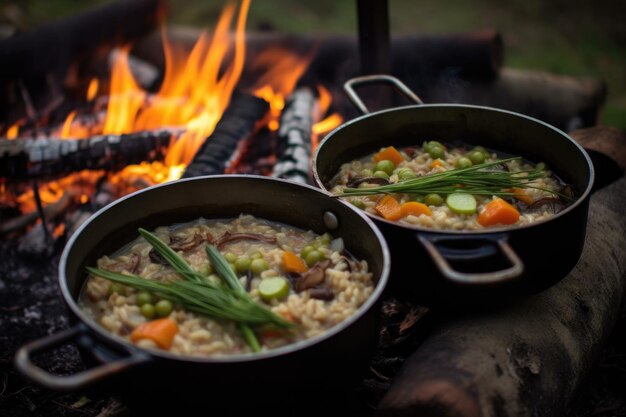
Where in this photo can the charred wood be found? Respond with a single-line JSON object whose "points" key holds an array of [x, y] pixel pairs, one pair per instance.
{"points": [[238, 123], [22, 159], [293, 145]]}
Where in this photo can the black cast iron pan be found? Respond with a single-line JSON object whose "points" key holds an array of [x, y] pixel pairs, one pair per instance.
{"points": [[468, 266], [145, 377]]}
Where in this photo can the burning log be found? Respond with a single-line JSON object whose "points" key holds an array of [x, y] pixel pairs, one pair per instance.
{"points": [[293, 147], [237, 124], [46, 157], [530, 357]]}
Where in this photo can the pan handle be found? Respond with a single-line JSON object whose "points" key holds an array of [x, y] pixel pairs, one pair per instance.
{"points": [[78, 333], [398, 85], [445, 248]]}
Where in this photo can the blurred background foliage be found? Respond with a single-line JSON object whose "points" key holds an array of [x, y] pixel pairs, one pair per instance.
{"points": [[571, 37]]}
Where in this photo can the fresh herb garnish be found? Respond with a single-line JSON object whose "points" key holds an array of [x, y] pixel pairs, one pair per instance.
{"points": [[198, 295], [476, 180]]}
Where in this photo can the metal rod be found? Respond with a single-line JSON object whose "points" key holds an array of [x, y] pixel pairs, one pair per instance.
{"points": [[373, 16]]}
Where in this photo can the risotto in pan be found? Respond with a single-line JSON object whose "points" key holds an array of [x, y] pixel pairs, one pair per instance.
{"points": [[451, 187], [225, 287]]}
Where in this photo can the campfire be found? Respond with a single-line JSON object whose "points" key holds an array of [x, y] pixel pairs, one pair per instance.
{"points": [[122, 136]]}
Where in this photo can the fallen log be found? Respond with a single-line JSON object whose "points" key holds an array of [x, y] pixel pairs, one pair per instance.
{"points": [[22, 159], [238, 123], [477, 54], [529, 358]]}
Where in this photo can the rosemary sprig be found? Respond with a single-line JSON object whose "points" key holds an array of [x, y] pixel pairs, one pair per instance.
{"points": [[477, 180], [196, 294]]}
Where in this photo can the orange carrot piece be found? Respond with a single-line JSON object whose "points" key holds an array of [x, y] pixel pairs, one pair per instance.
{"points": [[390, 154], [293, 263], [521, 195], [437, 163], [161, 332], [415, 208], [498, 211], [389, 208]]}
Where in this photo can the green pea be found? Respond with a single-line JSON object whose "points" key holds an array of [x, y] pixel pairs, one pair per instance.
{"points": [[358, 204], [407, 174], [147, 310], [463, 162], [230, 257], [242, 264], [381, 174], [163, 308], [480, 149], [433, 200], [305, 250], [385, 165], [477, 157], [430, 144], [256, 255], [417, 197], [116, 288], [144, 297], [206, 270], [314, 257], [325, 238], [258, 265], [542, 166], [367, 173], [436, 151]]}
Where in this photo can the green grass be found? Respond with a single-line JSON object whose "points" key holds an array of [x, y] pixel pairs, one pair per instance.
{"points": [[580, 38]]}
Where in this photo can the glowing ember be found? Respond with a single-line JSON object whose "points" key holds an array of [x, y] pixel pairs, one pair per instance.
{"points": [[13, 132], [92, 90]]}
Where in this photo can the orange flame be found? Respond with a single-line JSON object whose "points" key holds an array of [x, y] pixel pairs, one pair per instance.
{"points": [[194, 93], [285, 69], [330, 122]]}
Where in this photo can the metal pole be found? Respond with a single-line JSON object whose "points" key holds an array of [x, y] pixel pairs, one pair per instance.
{"points": [[373, 16]]}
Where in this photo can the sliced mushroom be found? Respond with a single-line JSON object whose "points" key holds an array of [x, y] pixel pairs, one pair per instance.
{"points": [[156, 257], [555, 203], [568, 191], [352, 265], [231, 237], [187, 245], [356, 181], [314, 276], [322, 293], [130, 265]]}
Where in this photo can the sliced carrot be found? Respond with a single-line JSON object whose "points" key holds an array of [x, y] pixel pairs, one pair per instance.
{"points": [[293, 263], [521, 195], [161, 332], [498, 211], [389, 208], [437, 163], [390, 154], [415, 208]]}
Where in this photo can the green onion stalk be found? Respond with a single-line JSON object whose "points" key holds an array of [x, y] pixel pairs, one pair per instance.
{"points": [[195, 293], [476, 180]]}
